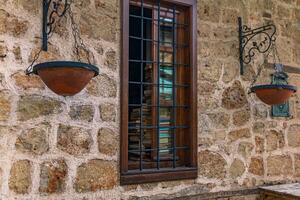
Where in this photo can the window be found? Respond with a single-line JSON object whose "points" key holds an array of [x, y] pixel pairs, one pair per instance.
{"points": [[158, 91]]}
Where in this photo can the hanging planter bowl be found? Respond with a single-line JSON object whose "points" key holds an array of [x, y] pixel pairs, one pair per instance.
{"points": [[65, 78], [274, 94]]}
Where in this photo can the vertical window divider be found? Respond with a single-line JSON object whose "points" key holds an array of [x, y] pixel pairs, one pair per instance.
{"points": [[142, 86], [174, 88], [158, 85]]}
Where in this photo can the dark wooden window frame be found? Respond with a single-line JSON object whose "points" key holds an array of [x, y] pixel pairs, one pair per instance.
{"points": [[127, 177]]}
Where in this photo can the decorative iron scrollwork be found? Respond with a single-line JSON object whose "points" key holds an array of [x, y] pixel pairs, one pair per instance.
{"points": [[52, 10], [252, 41]]}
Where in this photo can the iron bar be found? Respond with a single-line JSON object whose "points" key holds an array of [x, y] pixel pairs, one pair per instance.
{"points": [[162, 42], [141, 86], [164, 106], [158, 88], [49, 18], [156, 127], [174, 89], [164, 64], [151, 19], [159, 85], [163, 149]]}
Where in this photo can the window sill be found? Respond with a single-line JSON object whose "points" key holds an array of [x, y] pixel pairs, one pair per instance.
{"points": [[157, 176]]}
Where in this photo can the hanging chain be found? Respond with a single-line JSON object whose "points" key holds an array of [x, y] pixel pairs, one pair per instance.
{"points": [[78, 41], [276, 58], [37, 55], [260, 68]]}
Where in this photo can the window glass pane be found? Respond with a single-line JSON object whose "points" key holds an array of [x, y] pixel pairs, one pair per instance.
{"points": [[134, 94]]}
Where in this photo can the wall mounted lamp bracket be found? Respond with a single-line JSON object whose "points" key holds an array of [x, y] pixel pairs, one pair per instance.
{"points": [[52, 11], [252, 41]]}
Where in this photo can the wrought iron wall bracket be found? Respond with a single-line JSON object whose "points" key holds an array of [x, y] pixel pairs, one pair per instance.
{"points": [[52, 10], [252, 41]]}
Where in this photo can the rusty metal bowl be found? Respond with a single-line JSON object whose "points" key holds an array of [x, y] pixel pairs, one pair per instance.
{"points": [[65, 78], [274, 94]]}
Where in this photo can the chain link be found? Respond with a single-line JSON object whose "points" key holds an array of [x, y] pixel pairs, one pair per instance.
{"points": [[29, 69], [275, 56], [78, 41]]}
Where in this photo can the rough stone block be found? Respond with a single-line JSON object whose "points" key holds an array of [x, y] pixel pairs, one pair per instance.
{"points": [[73, 140], [96, 175], [34, 106], [102, 86], [234, 97], [279, 165], [107, 112], [53, 176], [82, 113], [35, 140], [211, 165], [107, 141], [256, 166], [20, 177]]}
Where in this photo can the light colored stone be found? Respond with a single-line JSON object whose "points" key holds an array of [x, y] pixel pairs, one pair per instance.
{"points": [[17, 52], [239, 134], [3, 51], [102, 86], [107, 141], [34, 106], [82, 112], [210, 71], [256, 166], [107, 112], [73, 140], [5, 105], [258, 127], [53, 176], [20, 177], [293, 136], [96, 175], [211, 165], [34, 140], [31, 6], [241, 117], [219, 120], [234, 97], [207, 88], [27, 82], [209, 11], [274, 140], [260, 111], [52, 54], [279, 165], [230, 15], [245, 149], [231, 70], [237, 168], [99, 24], [297, 165], [111, 59], [12, 25], [207, 103], [259, 144]]}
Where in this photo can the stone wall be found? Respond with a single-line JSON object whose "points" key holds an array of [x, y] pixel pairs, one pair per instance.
{"points": [[68, 148]]}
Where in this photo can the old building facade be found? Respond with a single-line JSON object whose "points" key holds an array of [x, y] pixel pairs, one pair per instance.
{"points": [[54, 147]]}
